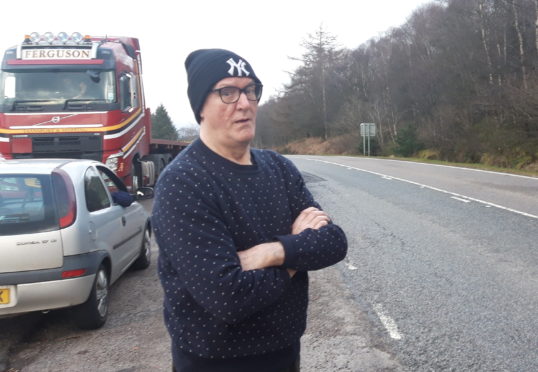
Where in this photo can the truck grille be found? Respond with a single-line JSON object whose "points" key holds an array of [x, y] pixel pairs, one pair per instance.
{"points": [[84, 146]]}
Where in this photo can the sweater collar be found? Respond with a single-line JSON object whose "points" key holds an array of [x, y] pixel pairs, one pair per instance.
{"points": [[230, 165]]}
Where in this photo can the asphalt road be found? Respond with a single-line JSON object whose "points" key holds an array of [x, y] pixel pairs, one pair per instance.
{"points": [[443, 260], [441, 275]]}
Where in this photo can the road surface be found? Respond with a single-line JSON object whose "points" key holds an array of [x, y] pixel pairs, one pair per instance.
{"points": [[441, 274], [444, 260]]}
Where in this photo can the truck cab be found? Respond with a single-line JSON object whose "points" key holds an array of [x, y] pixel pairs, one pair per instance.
{"points": [[75, 96]]}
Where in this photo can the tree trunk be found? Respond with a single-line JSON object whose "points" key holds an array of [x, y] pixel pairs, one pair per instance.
{"points": [[483, 34], [324, 103], [536, 26], [521, 46]]}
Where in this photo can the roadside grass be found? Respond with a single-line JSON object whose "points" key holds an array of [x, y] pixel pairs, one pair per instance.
{"points": [[339, 146], [521, 172]]}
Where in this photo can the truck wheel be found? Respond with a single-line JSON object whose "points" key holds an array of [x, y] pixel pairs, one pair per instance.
{"points": [[144, 259], [158, 161], [92, 314], [137, 176]]}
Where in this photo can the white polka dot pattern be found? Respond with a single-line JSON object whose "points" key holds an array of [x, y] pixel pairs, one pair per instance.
{"points": [[206, 209]]}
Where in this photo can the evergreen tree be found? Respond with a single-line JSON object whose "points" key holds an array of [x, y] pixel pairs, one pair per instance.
{"points": [[407, 142], [162, 127]]}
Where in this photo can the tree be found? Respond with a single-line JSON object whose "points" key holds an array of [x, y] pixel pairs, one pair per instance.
{"points": [[407, 142], [317, 81], [162, 127], [188, 133], [460, 77]]}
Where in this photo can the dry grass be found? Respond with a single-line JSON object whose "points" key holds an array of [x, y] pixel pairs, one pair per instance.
{"points": [[341, 145], [344, 145]]}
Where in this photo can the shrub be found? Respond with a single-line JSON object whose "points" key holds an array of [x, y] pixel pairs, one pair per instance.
{"points": [[407, 142], [429, 154]]}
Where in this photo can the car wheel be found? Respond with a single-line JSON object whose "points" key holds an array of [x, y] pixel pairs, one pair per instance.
{"points": [[144, 259], [92, 314]]}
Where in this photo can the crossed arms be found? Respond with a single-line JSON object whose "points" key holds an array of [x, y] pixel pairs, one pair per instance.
{"points": [[273, 254]]}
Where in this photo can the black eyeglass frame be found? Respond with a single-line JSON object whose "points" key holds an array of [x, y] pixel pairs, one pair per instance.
{"points": [[258, 89]]}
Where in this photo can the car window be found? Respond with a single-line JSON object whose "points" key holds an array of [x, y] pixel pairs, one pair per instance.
{"points": [[26, 204], [115, 187], [96, 195], [110, 183]]}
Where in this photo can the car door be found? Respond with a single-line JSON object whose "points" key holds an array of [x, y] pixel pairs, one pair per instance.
{"points": [[133, 217], [106, 223]]}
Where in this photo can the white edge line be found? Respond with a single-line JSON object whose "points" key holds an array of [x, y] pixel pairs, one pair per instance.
{"points": [[433, 188], [451, 166], [460, 199], [388, 322]]}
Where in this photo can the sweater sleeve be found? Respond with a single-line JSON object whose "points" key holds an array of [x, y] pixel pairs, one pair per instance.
{"points": [[195, 241], [311, 249]]}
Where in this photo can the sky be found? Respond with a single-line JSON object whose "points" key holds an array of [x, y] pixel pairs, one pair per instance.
{"points": [[266, 33]]}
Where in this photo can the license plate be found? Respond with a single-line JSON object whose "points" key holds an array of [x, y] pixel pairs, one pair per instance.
{"points": [[4, 296]]}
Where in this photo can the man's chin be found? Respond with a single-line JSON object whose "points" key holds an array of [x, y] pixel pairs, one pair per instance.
{"points": [[246, 134]]}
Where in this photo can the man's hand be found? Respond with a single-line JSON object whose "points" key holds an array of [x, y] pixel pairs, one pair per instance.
{"points": [[272, 254], [261, 256], [310, 218]]}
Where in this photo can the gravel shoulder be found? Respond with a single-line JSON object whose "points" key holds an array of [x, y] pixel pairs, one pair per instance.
{"points": [[338, 337]]}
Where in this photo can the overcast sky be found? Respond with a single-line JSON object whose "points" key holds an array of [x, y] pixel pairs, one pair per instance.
{"points": [[266, 33]]}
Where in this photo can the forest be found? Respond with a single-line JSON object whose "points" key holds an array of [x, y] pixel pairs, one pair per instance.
{"points": [[456, 82]]}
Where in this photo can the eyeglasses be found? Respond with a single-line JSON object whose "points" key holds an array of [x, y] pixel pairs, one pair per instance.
{"points": [[232, 94]]}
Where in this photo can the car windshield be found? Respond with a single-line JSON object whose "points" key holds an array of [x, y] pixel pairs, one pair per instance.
{"points": [[26, 204], [44, 87]]}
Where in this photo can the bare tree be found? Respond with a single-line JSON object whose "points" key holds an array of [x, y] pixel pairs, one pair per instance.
{"points": [[520, 44], [483, 34]]}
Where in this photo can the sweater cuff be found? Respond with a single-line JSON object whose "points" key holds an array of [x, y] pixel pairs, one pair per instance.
{"points": [[290, 252]]}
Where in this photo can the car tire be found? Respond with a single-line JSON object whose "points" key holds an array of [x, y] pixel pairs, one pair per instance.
{"points": [[144, 259], [93, 313]]}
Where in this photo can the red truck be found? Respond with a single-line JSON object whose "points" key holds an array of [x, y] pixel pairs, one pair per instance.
{"points": [[75, 96]]}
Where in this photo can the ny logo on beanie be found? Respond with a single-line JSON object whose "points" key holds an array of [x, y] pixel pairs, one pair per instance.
{"points": [[240, 66], [206, 67]]}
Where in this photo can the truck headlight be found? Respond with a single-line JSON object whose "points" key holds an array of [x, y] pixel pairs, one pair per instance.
{"points": [[113, 161]]}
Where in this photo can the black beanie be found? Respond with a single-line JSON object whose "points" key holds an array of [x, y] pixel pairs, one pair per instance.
{"points": [[206, 67]]}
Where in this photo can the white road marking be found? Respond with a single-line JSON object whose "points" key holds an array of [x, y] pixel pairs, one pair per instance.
{"points": [[451, 166], [434, 188], [388, 322], [460, 199]]}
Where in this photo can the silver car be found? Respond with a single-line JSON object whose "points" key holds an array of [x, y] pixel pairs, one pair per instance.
{"points": [[68, 230]]}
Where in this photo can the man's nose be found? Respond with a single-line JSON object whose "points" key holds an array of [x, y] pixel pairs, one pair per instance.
{"points": [[243, 100]]}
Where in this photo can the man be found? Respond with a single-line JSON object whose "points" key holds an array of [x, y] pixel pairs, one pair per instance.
{"points": [[237, 231]]}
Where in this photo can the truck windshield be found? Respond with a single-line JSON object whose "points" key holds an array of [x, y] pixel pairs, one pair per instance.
{"points": [[44, 87]]}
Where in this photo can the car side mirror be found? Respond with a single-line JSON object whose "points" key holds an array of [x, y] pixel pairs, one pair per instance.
{"points": [[143, 193]]}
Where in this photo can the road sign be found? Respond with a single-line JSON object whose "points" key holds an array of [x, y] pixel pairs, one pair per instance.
{"points": [[368, 129]]}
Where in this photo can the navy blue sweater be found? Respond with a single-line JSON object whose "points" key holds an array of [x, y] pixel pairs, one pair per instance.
{"points": [[206, 209]]}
